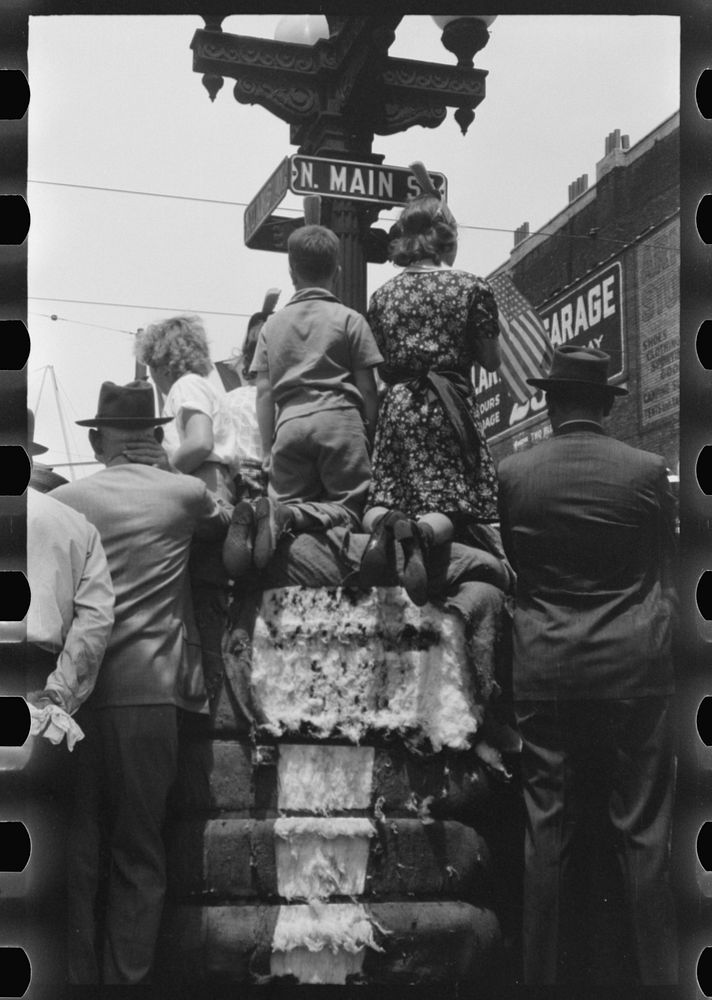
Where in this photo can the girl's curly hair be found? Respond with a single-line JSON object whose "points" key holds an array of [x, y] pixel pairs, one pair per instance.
{"points": [[425, 229], [179, 342]]}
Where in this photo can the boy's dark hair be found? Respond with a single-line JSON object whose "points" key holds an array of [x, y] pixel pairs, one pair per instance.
{"points": [[313, 252]]}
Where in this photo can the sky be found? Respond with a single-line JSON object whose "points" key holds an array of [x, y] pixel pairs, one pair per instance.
{"points": [[115, 104]]}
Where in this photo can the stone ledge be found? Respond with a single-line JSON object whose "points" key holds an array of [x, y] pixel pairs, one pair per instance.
{"points": [[236, 859], [232, 776], [436, 942]]}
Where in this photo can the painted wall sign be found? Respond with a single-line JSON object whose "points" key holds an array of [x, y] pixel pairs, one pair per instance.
{"points": [[658, 301], [589, 314]]}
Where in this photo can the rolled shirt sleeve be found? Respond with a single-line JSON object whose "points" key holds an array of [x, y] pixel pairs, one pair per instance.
{"points": [[71, 608], [191, 392], [194, 393], [78, 663], [365, 352]]}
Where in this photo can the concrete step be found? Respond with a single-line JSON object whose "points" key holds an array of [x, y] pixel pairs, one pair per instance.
{"points": [[264, 859], [398, 943], [233, 776]]}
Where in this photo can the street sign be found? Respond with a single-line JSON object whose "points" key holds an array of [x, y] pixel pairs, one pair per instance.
{"points": [[373, 182], [266, 200], [376, 183]]}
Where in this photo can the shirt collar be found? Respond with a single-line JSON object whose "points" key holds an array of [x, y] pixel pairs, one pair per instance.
{"points": [[304, 294], [573, 426]]}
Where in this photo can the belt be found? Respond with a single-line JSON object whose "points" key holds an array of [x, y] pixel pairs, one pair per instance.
{"points": [[452, 388]]}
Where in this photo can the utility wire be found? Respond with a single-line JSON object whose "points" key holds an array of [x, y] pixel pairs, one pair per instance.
{"points": [[76, 322], [133, 305], [243, 204], [146, 194]]}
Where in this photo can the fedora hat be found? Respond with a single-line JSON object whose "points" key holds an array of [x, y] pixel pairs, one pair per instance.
{"points": [[572, 365], [128, 406], [35, 449]]}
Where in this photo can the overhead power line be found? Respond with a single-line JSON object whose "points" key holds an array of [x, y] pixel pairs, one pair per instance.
{"points": [[133, 305], [156, 194], [145, 194], [77, 322], [243, 204], [211, 201]]}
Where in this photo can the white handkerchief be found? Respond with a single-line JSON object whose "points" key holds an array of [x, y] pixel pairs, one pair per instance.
{"points": [[54, 724]]}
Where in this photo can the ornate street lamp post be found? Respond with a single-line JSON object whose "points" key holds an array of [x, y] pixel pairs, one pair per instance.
{"points": [[336, 92]]}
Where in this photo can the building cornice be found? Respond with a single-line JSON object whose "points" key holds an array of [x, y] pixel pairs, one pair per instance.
{"points": [[562, 218]]}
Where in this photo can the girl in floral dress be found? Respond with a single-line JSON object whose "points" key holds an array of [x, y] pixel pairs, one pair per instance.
{"points": [[433, 475]]}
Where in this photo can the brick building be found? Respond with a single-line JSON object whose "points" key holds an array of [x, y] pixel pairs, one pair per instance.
{"points": [[606, 274]]}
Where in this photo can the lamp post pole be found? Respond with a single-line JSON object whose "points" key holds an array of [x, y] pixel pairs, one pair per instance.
{"points": [[336, 94]]}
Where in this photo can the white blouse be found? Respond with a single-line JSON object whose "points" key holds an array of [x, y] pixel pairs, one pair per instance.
{"points": [[243, 408], [195, 392]]}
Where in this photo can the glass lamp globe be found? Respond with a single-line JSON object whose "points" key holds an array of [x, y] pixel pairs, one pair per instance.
{"points": [[301, 29], [442, 20]]}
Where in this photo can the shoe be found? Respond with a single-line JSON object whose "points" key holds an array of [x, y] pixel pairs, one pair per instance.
{"points": [[378, 562], [415, 539], [237, 548], [272, 520]]}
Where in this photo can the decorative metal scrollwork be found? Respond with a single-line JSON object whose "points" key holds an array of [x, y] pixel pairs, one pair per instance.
{"points": [[292, 104], [399, 117], [342, 89]]}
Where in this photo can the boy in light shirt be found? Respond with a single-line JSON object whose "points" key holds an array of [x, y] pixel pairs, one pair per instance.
{"points": [[316, 407]]}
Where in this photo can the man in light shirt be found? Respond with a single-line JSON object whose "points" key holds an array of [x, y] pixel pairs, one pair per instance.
{"points": [[71, 608], [64, 637]]}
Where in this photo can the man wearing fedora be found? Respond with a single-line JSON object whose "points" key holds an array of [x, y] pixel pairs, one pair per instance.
{"points": [[146, 518], [587, 522]]}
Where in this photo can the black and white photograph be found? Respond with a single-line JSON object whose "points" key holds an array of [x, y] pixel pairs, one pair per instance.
{"points": [[359, 655]]}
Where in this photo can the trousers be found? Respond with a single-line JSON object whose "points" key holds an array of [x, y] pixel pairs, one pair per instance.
{"points": [[321, 468], [626, 747], [209, 583], [125, 767]]}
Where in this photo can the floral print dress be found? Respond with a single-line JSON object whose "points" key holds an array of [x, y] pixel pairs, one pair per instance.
{"points": [[430, 318]]}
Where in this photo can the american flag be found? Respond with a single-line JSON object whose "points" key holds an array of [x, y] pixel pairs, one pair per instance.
{"points": [[524, 343]]}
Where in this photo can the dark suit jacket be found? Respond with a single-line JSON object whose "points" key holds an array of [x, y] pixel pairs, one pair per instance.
{"points": [[587, 522]]}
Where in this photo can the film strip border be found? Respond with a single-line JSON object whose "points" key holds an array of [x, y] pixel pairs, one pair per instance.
{"points": [[15, 837], [695, 702], [693, 835]]}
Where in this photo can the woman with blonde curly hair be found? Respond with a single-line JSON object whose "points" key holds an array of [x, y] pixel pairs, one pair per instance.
{"points": [[433, 478], [201, 440]]}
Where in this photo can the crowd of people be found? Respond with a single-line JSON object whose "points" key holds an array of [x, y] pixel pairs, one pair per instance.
{"points": [[368, 424]]}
